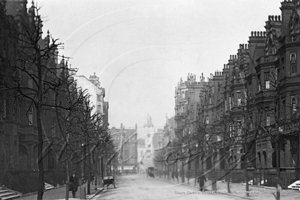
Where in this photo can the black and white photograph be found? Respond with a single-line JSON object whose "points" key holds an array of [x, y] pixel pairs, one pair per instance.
{"points": [[149, 99]]}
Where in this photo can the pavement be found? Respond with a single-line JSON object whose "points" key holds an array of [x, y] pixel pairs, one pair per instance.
{"points": [[58, 193], [239, 190]]}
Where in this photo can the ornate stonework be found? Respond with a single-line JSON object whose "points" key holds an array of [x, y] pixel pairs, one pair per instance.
{"points": [[294, 23]]}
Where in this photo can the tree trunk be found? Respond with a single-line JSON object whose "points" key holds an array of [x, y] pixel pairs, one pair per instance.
{"points": [[278, 187], [227, 172], [89, 169], [298, 159], [195, 173], [214, 180], [246, 179], [39, 128], [67, 169], [40, 156], [67, 182]]}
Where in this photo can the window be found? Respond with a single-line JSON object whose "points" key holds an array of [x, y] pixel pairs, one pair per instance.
{"points": [[239, 127], [294, 105], [99, 97], [268, 120], [99, 108], [267, 80], [258, 82], [239, 98], [251, 122], [230, 105], [293, 63], [30, 116], [207, 120], [245, 97], [230, 130], [283, 108]]}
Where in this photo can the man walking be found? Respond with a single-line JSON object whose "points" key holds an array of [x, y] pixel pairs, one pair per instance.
{"points": [[74, 182], [201, 181]]}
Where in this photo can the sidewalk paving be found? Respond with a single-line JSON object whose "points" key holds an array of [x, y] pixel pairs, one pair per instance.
{"points": [[59, 193], [239, 190]]}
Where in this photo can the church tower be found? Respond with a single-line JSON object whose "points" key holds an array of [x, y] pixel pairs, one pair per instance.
{"points": [[148, 132]]}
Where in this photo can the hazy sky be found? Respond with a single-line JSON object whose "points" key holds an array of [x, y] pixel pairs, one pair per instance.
{"points": [[141, 48]]}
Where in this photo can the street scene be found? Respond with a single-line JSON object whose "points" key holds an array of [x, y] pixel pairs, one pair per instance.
{"points": [[140, 187], [149, 99]]}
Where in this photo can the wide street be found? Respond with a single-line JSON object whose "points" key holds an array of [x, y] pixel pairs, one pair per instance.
{"points": [[139, 187]]}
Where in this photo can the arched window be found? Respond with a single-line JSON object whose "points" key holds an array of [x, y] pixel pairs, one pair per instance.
{"points": [[293, 63]]}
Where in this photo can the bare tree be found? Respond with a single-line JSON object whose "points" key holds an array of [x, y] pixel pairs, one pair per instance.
{"points": [[33, 74]]}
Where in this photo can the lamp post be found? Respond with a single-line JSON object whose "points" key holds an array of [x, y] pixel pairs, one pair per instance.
{"points": [[101, 170], [82, 187], [196, 165], [214, 181]]}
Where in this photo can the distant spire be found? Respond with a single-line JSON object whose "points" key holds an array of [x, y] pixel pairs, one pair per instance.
{"points": [[148, 121]]}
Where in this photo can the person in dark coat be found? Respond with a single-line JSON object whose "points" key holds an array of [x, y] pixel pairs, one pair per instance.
{"points": [[74, 182], [201, 181]]}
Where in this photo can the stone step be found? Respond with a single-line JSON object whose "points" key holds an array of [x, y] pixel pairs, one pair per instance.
{"points": [[3, 191], [6, 194], [48, 186], [11, 197]]}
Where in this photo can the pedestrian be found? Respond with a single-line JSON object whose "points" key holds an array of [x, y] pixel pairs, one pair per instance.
{"points": [[73, 184], [201, 181]]}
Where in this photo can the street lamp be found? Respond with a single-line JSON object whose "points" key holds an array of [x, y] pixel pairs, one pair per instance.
{"points": [[82, 163], [214, 182], [82, 187]]}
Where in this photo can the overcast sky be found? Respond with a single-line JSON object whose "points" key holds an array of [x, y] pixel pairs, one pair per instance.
{"points": [[141, 48]]}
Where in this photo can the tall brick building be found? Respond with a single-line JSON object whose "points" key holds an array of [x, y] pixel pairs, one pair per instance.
{"points": [[18, 115], [246, 116], [125, 140], [96, 95], [251, 107]]}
